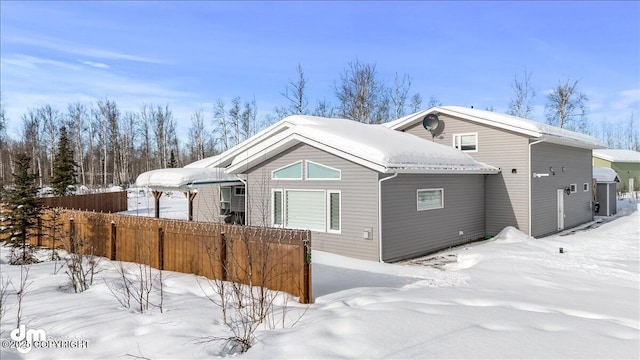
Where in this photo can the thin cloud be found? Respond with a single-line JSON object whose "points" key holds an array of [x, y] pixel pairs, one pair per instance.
{"points": [[75, 48], [96, 64]]}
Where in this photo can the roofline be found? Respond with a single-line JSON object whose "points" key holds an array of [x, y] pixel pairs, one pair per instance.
{"points": [[412, 119], [610, 159], [295, 138]]}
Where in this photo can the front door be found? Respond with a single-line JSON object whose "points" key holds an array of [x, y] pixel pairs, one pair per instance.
{"points": [[560, 209]]}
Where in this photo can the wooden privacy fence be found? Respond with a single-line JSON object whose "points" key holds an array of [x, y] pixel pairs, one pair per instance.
{"points": [[109, 202], [279, 259]]}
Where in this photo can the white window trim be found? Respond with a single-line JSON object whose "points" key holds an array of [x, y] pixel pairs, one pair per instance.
{"points": [[235, 191], [432, 208], [286, 166], [306, 171], [465, 134], [585, 187], [328, 195], [573, 188], [273, 208]]}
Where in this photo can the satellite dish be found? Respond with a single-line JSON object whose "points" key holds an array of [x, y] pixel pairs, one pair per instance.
{"points": [[434, 125], [431, 122]]}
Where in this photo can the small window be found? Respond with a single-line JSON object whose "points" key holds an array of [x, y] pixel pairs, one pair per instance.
{"points": [[429, 199], [225, 200], [573, 188], [466, 142], [276, 208], [334, 211], [239, 191], [317, 171], [289, 172], [585, 187]]}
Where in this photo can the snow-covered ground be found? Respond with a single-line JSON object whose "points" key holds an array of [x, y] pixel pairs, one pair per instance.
{"points": [[508, 297]]}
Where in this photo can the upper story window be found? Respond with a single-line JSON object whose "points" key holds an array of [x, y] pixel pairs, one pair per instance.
{"points": [[288, 172], [317, 171], [466, 142]]}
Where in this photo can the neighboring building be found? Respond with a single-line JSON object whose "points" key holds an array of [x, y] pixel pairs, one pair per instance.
{"points": [[544, 185], [626, 163], [606, 179]]}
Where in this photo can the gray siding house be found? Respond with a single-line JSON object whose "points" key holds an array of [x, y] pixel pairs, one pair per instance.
{"points": [[544, 182], [364, 191]]}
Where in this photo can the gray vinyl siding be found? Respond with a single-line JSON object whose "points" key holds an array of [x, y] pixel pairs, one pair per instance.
{"points": [[507, 193], [577, 170], [206, 205], [407, 232], [359, 199]]}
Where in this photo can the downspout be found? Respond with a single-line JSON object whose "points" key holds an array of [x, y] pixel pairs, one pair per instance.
{"points": [[246, 199], [530, 177], [380, 213]]}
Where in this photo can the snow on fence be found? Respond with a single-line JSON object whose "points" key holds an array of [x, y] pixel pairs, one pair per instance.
{"points": [[108, 202], [279, 259]]}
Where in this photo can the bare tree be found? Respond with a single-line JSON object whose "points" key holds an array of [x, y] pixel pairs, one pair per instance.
{"points": [[566, 106], [144, 128], [295, 93], [222, 126], [358, 92], [324, 109], [31, 134], [399, 94], [416, 102], [248, 120], [235, 121], [197, 135], [76, 122], [433, 101], [50, 120], [521, 102]]}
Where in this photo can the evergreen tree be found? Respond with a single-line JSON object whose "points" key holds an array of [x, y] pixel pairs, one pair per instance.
{"points": [[23, 208], [64, 168], [172, 160]]}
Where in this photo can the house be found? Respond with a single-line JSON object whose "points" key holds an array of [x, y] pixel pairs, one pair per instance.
{"points": [[364, 191], [606, 180], [546, 172], [626, 163]]}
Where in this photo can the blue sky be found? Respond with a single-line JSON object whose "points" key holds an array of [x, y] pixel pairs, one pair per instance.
{"points": [[189, 54]]}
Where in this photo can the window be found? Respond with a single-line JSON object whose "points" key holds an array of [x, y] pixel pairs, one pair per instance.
{"points": [[225, 200], [466, 142], [239, 191], [585, 187], [316, 210], [333, 214], [317, 171], [289, 172], [305, 209], [573, 188], [276, 208], [429, 199]]}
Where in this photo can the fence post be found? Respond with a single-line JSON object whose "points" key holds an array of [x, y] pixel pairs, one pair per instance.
{"points": [[307, 269], [39, 234], [72, 236], [160, 249], [113, 240], [223, 256]]}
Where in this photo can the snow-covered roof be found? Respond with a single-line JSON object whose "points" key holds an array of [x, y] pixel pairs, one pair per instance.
{"points": [[516, 124], [182, 178], [617, 155], [373, 146], [604, 174], [203, 163]]}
